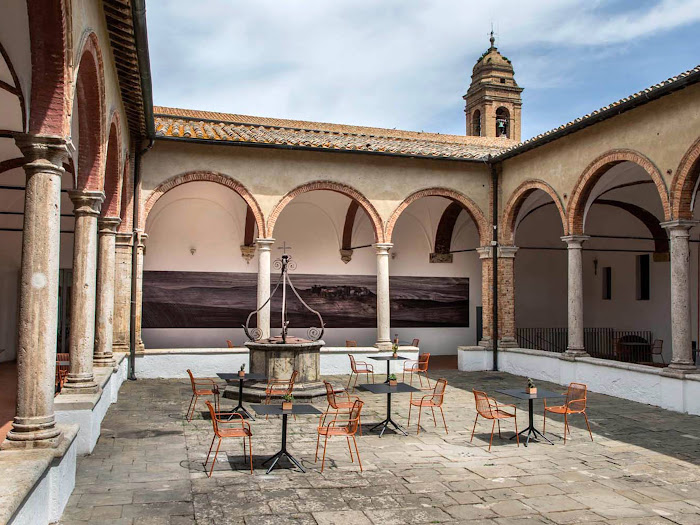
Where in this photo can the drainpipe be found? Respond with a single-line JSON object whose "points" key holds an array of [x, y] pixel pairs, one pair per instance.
{"points": [[494, 260], [134, 258]]}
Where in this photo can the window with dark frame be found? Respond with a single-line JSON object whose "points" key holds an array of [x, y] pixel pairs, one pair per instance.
{"points": [[607, 283], [643, 277]]}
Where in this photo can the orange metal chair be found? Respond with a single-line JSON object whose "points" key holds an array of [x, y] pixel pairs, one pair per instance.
{"points": [[198, 391], [417, 367], [280, 388], [416, 342], [357, 368], [489, 408], [575, 404], [335, 406], [243, 432], [350, 344], [347, 430], [230, 343], [430, 400], [61, 371]]}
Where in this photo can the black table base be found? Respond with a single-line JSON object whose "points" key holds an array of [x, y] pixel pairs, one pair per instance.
{"points": [[283, 452], [388, 421], [531, 432], [239, 408]]}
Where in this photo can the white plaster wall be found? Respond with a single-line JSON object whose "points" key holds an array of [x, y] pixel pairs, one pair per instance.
{"points": [[35, 509], [210, 218], [62, 481]]}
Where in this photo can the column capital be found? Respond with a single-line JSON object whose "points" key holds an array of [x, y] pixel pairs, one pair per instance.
{"points": [[43, 150], [575, 241], [383, 247], [679, 224], [485, 252], [143, 237], [108, 225], [264, 244], [124, 239], [507, 252], [86, 203]]}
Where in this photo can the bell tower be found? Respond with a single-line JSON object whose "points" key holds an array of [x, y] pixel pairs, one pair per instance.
{"points": [[493, 101]]}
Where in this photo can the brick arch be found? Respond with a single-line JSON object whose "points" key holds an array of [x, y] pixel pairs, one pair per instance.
{"points": [[90, 92], [469, 206], [49, 100], [328, 185], [592, 174], [204, 176], [684, 182], [516, 201], [111, 206]]}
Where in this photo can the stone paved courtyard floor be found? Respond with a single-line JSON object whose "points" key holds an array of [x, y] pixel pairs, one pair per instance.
{"points": [[643, 467]]}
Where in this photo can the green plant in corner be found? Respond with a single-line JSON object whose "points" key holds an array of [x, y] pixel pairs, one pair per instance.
{"points": [[530, 383], [288, 398], [243, 367], [392, 377]]}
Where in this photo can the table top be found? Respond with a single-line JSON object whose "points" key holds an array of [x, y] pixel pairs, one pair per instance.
{"points": [[519, 393], [276, 410], [384, 388], [387, 358], [247, 377]]}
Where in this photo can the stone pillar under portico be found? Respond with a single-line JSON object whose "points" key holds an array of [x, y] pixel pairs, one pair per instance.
{"points": [[576, 346], [383, 300], [122, 292], [140, 251], [264, 246], [681, 333], [506, 299], [107, 232], [86, 208], [485, 255], [34, 424]]}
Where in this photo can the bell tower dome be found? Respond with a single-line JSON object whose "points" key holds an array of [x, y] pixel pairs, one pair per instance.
{"points": [[493, 101]]}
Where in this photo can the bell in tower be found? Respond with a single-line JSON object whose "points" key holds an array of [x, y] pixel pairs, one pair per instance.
{"points": [[493, 101]]}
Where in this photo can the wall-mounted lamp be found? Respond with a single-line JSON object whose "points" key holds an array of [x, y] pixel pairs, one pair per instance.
{"points": [[193, 250], [595, 265]]}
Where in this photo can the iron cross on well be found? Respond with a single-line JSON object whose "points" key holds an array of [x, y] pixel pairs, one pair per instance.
{"points": [[284, 248]]}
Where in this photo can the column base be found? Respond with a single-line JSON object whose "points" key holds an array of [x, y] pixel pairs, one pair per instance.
{"points": [[120, 347], [103, 360], [80, 385], [683, 366], [508, 342], [32, 432], [485, 343], [572, 353], [383, 345]]}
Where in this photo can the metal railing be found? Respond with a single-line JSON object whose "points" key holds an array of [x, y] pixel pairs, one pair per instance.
{"points": [[606, 343]]}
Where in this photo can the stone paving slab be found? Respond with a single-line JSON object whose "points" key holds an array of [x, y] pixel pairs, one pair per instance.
{"points": [[643, 466]]}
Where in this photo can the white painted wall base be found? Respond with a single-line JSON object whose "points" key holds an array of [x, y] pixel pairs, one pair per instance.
{"points": [[36, 484], [207, 362], [88, 411], [644, 384]]}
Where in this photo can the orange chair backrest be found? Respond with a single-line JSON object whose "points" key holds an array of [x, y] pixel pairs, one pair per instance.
{"points": [[292, 380], [353, 366], [423, 360], [350, 343], [415, 342], [576, 396], [483, 406], [355, 417], [439, 392], [229, 343], [214, 420], [658, 346], [194, 387], [330, 395]]}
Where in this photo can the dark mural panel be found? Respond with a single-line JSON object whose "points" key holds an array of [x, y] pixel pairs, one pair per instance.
{"points": [[223, 300]]}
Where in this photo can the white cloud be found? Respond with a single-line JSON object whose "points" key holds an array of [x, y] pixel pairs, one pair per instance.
{"points": [[393, 63]]}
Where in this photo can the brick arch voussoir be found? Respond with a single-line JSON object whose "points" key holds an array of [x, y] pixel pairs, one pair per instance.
{"points": [[93, 110], [469, 205], [684, 182], [111, 206], [203, 176], [595, 170], [517, 199], [328, 185]]}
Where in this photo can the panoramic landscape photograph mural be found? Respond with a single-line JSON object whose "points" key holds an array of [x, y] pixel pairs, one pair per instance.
{"points": [[223, 300]]}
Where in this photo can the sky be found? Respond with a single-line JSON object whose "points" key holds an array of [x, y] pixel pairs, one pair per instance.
{"points": [[406, 64]]}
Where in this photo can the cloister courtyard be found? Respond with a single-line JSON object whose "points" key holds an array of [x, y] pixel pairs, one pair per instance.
{"points": [[147, 467]]}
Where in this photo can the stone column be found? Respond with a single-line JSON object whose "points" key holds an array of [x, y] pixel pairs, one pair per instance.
{"points": [[681, 333], [506, 296], [383, 300], [86, 208], [485, 254], [264, 246], [107, 232], [576, 347], [34, 424], [140, 252], [122, 292]]}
